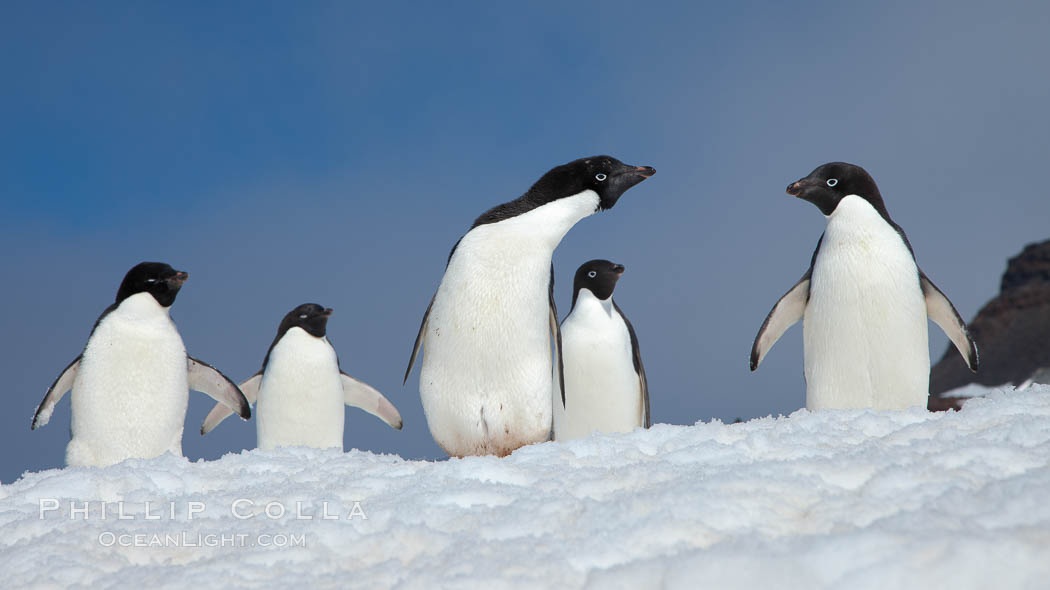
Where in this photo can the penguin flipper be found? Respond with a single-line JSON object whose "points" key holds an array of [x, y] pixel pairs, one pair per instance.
{"points": [[207, 379], [788, 310], [943, 313], [220, 412], [54, 394], [419, 339], [426, 316], [362, 395], [559, 364], [636, 354]]}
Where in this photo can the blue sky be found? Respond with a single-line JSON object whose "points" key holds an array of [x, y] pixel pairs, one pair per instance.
{"points": [[333, 152]]}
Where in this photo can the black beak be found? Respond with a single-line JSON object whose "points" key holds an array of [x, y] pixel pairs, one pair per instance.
{"points": [[327, 312], [179, 278], [795, 189], [635, 174], [644, 171], [618, 269]]}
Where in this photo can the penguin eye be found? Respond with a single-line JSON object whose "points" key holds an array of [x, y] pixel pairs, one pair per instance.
{"points": [[832, 181], [600, 177], [302, 317], [151, 281], [592, 274]]}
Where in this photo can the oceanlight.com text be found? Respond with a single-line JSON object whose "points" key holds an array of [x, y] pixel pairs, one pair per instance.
{"points": [[185, 539]]}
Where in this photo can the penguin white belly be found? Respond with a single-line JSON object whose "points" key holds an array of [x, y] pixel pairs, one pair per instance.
{"points": [[130, 394], [865, 328], [602, 390], [485, 383], [300, 400]]}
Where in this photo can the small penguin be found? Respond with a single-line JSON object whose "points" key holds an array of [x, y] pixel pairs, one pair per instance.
{"points": [[486, 377], [864, 303], [300, 389], [605, 386], [131, 383]]}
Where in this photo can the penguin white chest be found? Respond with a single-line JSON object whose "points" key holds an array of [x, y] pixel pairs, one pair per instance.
{"points": [[865, 327], [130, 394], [602, 390], [485, 383], [300, 400]]}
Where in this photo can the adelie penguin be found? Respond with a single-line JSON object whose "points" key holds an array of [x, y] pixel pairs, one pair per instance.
{"points": [[486, 336], [605, 386], [864, 302], [300, 390], [130, 385]]}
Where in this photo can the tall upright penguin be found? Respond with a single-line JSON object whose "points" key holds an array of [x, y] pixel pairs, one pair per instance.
{"points": [[864, 302], [486, 377], [605, 385], [131, 383], [300, 389]]}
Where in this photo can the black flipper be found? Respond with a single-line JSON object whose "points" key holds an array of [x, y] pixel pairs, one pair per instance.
{"points": [[636, 354], [423, 324], [556, 333], [943, 313], [54, 394], [788, 310], [207, 379]]}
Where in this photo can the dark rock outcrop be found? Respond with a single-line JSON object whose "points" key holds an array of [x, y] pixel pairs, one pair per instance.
{"points": [[1012, 330]]}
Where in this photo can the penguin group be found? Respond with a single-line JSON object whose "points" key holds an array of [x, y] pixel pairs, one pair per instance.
{"points": [[499, 370]]}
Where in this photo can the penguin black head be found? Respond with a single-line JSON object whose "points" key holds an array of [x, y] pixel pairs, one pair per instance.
{"points": [[608, 177], [597, 276], [309, 316], [830, 183], [156, 278], [605, 175]]}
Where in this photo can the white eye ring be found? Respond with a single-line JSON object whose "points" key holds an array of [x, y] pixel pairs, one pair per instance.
{"points": [[592, 274], [151, 281], [302, 317], [833, 181], [600, 177]]}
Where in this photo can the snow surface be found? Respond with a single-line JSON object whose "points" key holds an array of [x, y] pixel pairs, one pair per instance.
{"points": [[848, 499], [976, 390]]}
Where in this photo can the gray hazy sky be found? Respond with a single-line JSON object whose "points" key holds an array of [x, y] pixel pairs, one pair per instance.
{"points": [[334, 152]]}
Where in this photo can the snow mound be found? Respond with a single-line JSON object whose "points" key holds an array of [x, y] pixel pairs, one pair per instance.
{"points": [[974, 390], [855, 499]]}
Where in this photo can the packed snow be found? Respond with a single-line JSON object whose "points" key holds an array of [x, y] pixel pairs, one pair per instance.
{"points": [[851, 499]]}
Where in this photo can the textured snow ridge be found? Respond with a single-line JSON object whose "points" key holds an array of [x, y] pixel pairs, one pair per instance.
{"points": [[852, 499]]}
